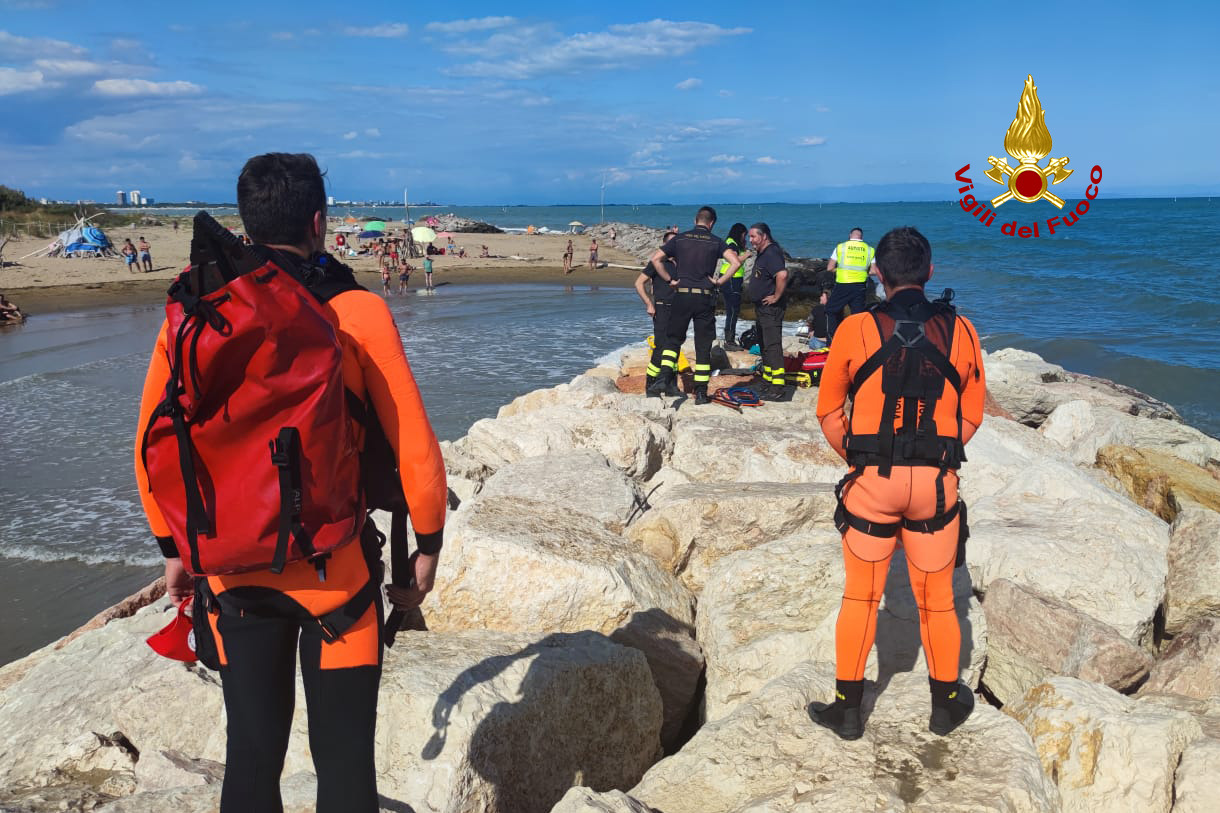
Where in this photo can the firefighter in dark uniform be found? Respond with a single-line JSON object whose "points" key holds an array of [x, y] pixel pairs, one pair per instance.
{"points": [[767, 285], [657, 305], [697, 253]]}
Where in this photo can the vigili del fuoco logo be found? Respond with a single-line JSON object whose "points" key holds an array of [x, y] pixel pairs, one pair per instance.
{"points": [[1028, 141]]}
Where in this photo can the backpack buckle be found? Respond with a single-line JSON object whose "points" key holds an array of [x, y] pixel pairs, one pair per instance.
{"points": [[908, 332]]}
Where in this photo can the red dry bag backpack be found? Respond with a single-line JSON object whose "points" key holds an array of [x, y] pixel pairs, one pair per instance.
{"points": [[251, 455]]}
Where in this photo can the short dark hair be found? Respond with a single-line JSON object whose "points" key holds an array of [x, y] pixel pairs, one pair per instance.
{"points": [[705, 215], [904, 257], [856, 229], [277, 196], [763, 228]]}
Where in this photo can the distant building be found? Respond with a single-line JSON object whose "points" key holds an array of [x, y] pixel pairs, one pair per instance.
{"points": [[330, 200], [133, 197], [148, 201], [120, 198]]}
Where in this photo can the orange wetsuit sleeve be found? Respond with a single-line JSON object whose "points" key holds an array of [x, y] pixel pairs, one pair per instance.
{"points": [[847, 352], [389, 384], [154, 390], [969, 363]]}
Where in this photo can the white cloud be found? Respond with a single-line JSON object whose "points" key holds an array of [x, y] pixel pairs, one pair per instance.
{"points": [[811, 141], [15, 81], [361, 154], [731, 173], [769, 161], [724, 94], [373, 132], [142, 87], [822, 109], [13, 47], [539, 51], [689, 84], [70, 67], [283, 35], [125, 44], [384, 31], [475, 24], [726, 159], [350, 136]]}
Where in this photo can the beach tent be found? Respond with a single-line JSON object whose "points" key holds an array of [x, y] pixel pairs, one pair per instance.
{"points": [[82, 240], [574, 225]]}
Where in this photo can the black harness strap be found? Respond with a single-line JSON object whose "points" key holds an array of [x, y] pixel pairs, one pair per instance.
{"points": [[286, 456]]}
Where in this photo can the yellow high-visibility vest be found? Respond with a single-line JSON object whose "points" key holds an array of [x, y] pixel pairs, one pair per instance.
{"points": [[852, 261], [724, 264]]}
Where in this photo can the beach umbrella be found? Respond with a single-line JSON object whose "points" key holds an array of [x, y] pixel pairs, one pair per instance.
{"points": [[423, 234], [576, 223], [374, 225], [350, 219], [367, 233]]}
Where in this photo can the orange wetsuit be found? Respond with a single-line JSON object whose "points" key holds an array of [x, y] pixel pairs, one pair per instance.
{"points": [[908, 492], [258, 651]]}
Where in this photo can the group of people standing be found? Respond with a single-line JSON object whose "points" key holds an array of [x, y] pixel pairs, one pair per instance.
{"points": [[391, 253], [900, 395], [144, 254]]}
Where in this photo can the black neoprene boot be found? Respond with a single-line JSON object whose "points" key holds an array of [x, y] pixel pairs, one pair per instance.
{"points": [[952, 702], [671, 382], [842, 716], [701, 395]]}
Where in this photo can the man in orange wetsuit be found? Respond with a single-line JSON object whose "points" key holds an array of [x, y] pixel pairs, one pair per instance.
{"points": [[264, 619], [914, 371]]}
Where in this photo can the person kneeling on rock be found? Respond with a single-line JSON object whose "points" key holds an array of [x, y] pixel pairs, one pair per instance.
{"points": [[914, 371]]}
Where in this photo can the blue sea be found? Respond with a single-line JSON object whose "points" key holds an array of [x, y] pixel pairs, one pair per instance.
{"points": [[1128, 293]]}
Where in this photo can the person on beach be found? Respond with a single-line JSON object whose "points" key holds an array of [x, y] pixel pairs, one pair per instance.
{"points": [[262, 621], [593, 254], [697, 253], [145, 255], [568, 254], [129, 254], [767, 285], [340, 244], [656, 299], [385, 277], [731, 290], [427, 273], [914, 372], [852, 263], [404, 277], [9, 313]]}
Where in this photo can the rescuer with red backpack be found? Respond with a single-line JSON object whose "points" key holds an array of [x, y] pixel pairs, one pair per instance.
{"points": [[914, 372], [272, 377]]}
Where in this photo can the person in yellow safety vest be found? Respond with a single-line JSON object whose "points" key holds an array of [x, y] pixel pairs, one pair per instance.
{"points": [[731, 290], [852, 262]]}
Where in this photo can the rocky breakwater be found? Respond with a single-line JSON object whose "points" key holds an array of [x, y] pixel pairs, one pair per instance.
{"points": [[454, 223], [637, 604]]}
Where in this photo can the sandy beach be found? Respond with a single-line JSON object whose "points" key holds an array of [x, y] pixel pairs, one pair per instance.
{"points": [[50, 284]]}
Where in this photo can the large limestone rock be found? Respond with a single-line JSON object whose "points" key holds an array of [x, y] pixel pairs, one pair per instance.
{"points": [[763, 611], [1082, 429], [471, 721], [1159, 481], [767, 755], [1105, 751], [483, 721], [1192, 591], [693, 525], [1032, 637], [1030, 389], [582, 481], [576, 392], [585, 800], [637, 446], [717, 448], [298, 792], [518, 565], [1196, 786], [1039, 521], [1191, 665]]}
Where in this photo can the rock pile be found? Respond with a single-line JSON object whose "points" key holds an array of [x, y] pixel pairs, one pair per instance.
{"points": [[451, 222], [637, 604]]}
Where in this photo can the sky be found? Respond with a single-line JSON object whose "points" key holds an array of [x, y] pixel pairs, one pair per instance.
{"points": [[500, 103]]}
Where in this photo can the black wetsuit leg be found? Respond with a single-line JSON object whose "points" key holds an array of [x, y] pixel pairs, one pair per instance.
{"points": [[259, 692], [732, 305], [342, 706], [842, 295], [660, 335]]}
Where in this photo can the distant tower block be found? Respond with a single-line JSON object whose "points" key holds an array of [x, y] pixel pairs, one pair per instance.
{"points": [[133, 197], [120, 198]]}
